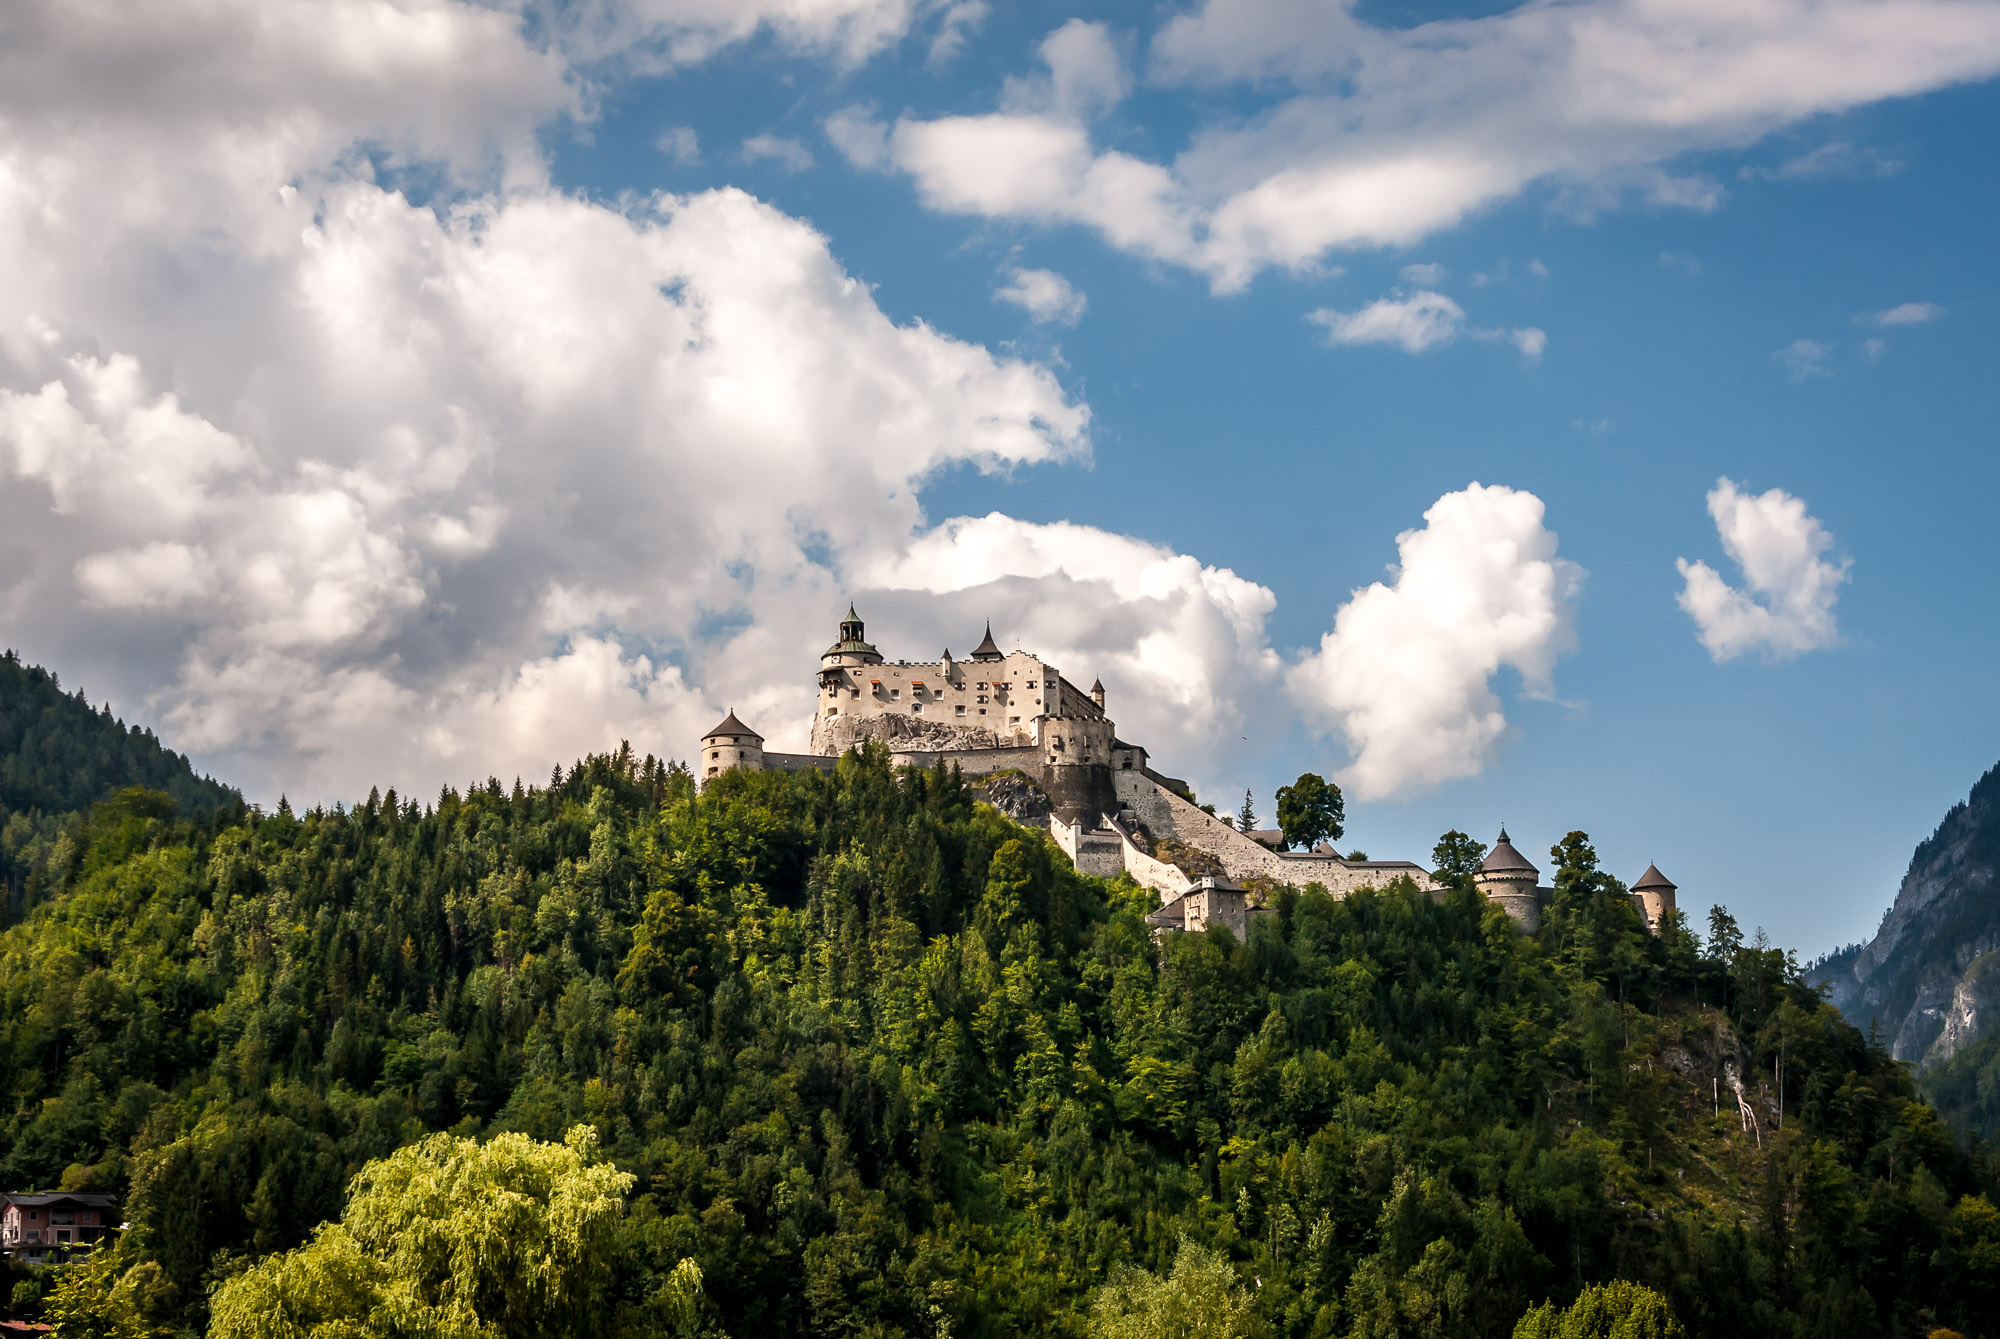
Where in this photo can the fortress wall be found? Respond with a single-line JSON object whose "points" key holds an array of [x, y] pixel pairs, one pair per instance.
{"points": [[1169, 881], [974, 762], [1167, 814], [798, 762], [900, 708]]}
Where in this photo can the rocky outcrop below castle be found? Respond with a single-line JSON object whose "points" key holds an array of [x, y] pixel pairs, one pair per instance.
{"points": [[1929, 981]]}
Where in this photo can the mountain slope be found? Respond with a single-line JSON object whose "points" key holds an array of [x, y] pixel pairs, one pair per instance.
{"points": [[884, 1064], [59, 756]]}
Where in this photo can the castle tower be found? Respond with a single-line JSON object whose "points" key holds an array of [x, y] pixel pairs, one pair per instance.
{"points": [[1509, 879], [986, 650], [1097, 694], [731, 744], [1654, 896], [850, 651]]}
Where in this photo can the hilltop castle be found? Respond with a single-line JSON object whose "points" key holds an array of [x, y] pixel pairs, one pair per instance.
{"points": [[1008, 711]]}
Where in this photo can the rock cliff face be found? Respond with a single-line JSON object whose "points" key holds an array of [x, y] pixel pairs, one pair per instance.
{"points": [[1930, 979]]}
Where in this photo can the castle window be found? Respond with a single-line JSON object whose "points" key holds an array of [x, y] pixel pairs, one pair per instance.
{"points": [[854, 692], [713, 756], [982, 711], [961, 711], [833, 711], [916, 709], [713, 770], [1013, 720], [895, 693]]}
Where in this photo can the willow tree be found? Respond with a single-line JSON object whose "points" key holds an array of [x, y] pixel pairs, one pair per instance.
{"points": [[448, 1238]]}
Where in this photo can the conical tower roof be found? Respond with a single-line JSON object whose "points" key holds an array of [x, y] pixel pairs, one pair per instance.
{"points": [[986, 650], [1097, 686], [1652, 879], [731, 728], [1504, 859]]}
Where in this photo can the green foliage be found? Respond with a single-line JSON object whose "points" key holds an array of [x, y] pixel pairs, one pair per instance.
{"points": [[1246, 817], [1616, 1310], [880, 1062], [1456, 858], [453, 1239], [1311, 810], [58, 757], [1201, 1299], [97, 1301]]}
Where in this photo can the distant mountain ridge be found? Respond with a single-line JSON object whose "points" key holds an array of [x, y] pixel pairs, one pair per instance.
{"points": [[1929, 981]]}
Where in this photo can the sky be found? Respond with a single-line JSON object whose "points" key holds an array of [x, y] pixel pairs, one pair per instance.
{"points": [[1567, 416]]}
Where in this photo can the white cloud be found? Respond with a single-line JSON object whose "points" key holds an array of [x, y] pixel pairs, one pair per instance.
{"points": [[1428, 274], [679, 143], [1681, 260], [653, 35], [1804, 359], [1417, 321], [1873, 349], [1382, 136], [1084, 75], [1044, 295], [1909, 313], [1407, 673], [1412, 322], [786, 153], [956, 28], [1835, 159], [1786, 605]]}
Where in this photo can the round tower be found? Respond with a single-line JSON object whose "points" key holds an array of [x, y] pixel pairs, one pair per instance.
{"points": [[1508, 878], [731, 744], [1654, 894]]}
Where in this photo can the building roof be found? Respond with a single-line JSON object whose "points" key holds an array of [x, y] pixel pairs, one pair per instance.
{"points": [[1651, 879], [986, 650], [96, 1199], [734, 729], [1271, 837], [1097, 686], [1504, 859]]}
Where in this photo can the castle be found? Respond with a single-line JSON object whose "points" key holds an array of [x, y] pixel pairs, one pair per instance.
{"points": [[1110, 812]]}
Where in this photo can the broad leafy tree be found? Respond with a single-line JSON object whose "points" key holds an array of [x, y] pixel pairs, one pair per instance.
{"points": [[1311, 810]]}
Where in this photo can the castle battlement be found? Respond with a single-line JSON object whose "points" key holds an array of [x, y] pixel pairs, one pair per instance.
{"points": [[1010, 711]]}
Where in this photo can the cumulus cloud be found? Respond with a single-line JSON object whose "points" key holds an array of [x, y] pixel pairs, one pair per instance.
{"points": [[1412, 322], [1908, 313], [1415, 321], [1406, 675], [1044, 295], [785, 152], [1371, 136], [679, 143], [1804, 359], [1785, 606]]}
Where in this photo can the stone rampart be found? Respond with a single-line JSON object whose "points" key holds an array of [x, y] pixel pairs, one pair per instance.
{"points": [[974, 762], [1167, 814]]}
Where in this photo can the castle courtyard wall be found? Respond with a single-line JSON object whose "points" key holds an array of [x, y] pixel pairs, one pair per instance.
{"points": [[1167, 815]]}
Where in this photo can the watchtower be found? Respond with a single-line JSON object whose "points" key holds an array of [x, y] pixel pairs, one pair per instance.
{"points": [[1510, 879], [731, 744], [1654, 894]]}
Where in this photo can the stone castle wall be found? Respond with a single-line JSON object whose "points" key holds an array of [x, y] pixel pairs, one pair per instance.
{"points": [[1167, 814], [983, 703]]}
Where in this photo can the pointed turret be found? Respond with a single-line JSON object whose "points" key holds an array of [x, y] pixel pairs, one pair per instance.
{"points": [[1653, 894], [1509, 878], [730, 745], [851, 649], [1097, 694], [986, 650]]}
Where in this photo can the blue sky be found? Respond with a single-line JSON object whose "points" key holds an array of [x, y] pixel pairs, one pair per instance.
{"points": [[415, 410]]}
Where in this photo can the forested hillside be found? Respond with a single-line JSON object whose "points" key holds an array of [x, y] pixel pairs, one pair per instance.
{"points": [[59, 756], [881, 1063]]}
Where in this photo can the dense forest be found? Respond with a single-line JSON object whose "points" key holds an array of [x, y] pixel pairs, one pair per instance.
{"points": [[868, 1058], [58, 756]]}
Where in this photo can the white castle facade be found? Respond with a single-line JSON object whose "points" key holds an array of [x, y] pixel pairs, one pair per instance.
{"points": [[999, 711]]}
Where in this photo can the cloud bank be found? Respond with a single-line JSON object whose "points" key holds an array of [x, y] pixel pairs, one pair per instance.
{"points": [[1367, 136], [1785, 606]]}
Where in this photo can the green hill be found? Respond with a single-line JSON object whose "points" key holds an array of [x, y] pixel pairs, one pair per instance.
{"points": [[883, 1064], [59, 756]]}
